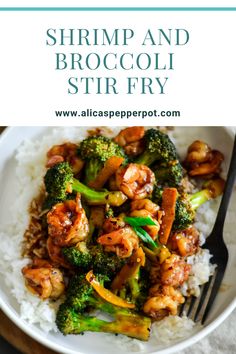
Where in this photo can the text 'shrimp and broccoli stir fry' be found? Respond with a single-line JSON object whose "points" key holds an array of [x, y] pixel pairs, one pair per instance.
{"points": [[114, 227]]}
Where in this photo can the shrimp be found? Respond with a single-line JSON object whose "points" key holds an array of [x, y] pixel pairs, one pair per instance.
{"points": [[174, 271], [54, 252], [135, 148], [123, 241], [145, 204], [185, 242], [146, 207], [131, 140], [113, 224], [202, 161], [164, 300], [198, 152], [43, 279], [65, 152], [210, 167], [136, 181], [67, 223]]}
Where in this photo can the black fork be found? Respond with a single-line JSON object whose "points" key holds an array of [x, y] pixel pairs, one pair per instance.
{"points": [[199, 308]]}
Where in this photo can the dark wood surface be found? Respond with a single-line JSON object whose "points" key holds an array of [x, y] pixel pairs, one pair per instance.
{"points": [[19, 339]]}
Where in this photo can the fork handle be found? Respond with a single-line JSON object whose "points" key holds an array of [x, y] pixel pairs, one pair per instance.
{"points": [[219, 223]]}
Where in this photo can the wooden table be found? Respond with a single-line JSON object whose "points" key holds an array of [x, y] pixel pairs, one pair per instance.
{"points": [[19, 339], [16, 337]]}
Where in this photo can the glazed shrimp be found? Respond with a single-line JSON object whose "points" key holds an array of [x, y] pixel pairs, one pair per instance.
{"points": [[145, 204], [198, 152], [113, 224], [123, 242], [185, 242], [174, 271], [131, 140], [43, 279], [164, 300], [136, 181], [65, 152], [54, 252], [201, 160], [67, 223], [210, 167]]}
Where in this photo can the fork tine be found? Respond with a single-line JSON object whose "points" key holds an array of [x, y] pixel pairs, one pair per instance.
{"points": [[213, 293], [191, 306], [207, 288], [187, 306], [194, 304], [182, 307]]}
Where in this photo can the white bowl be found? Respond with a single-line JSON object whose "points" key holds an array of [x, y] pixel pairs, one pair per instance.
{"points": [[218, 137]]}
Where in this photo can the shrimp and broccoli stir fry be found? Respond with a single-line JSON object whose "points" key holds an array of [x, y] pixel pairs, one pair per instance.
{"points": [[115, 226]]}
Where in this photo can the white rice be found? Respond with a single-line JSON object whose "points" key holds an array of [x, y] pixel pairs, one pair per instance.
{"points": [[30, 158]]}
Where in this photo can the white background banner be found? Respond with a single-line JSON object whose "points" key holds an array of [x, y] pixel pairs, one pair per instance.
{"points": [[201, 85]]}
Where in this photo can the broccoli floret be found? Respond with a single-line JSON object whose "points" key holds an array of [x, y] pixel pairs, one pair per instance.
{"points": [[109, 213], [187, 204], [94, 258], [184, 213], [78, 258], [157, 194], [143, 285], [136, 289], [71, 319], [130, 324], [131, 283], [80, 294], [59, 182], [106, 263], [158, 147], [169, 173], [95, 151]]}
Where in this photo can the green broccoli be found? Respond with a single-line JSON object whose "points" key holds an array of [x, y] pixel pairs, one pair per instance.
{"points": [[80, 294], [157, 194], [158, 147], [132, 282], [78, 258], [143, 287], [127, 323], [59, 182], [95, 151], [109, 213], [94, 258], [184, 213], [187, 204], [81, 297], [169, 173], [136, 289]]}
